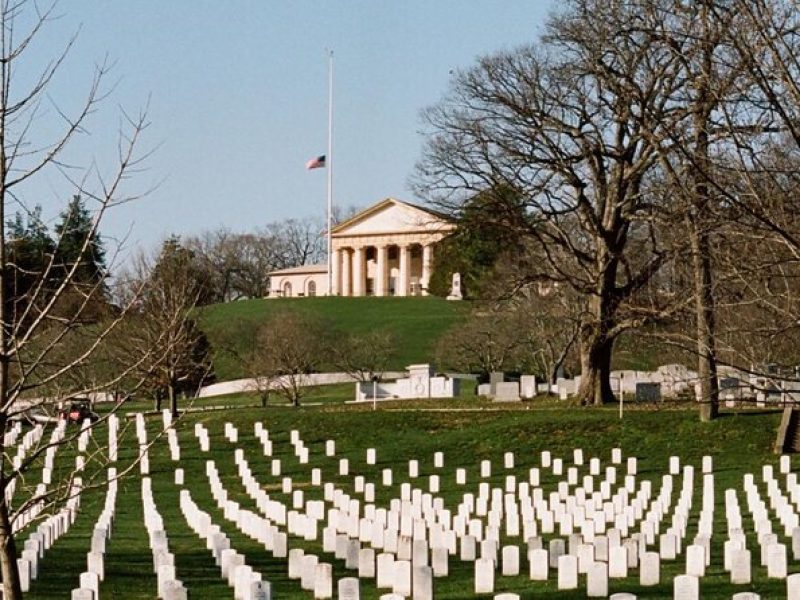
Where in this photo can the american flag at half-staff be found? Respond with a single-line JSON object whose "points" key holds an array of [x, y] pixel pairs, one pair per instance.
{"points": [[316, 163]]}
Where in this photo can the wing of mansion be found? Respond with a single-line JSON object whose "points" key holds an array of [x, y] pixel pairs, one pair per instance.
{"points": [[384, 250]]}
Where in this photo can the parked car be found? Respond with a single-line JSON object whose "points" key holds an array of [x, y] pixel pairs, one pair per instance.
{"points": [[77, 411]]}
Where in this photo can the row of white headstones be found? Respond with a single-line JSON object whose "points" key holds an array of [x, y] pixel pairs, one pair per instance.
{"points": [[41, 539], [417, 534], [168, 587]]}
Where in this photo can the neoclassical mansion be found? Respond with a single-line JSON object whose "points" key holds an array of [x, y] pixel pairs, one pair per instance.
{"points": [[384, 250]]}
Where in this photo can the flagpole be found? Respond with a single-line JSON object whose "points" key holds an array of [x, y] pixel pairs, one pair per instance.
{"points": [[330, 170]]}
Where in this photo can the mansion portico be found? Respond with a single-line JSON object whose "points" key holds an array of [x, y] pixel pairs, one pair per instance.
{"points": [[385, 250]]}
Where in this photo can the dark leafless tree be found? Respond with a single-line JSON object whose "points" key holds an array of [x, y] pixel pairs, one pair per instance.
{"points": [[561, 124]]}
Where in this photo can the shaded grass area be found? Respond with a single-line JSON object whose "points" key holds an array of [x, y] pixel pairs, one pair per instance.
{"points": [[417, 323], [473, 431]]}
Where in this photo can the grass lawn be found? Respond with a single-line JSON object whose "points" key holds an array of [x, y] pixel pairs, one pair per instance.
{"points": [[417, 323], [468, 431]]}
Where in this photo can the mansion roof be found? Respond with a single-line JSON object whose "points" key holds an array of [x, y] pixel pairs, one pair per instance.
{"points": [[392, 216], [301, 270]]}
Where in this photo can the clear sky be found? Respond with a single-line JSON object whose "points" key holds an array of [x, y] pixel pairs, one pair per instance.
{"points": [[238, 98]]}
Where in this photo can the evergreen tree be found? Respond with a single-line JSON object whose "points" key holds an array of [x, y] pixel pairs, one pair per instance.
{"points": [[72, 232], [29, 250], [481, 238]]}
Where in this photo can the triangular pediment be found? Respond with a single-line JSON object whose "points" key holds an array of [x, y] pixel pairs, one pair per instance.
{"points": [[392, 216]]}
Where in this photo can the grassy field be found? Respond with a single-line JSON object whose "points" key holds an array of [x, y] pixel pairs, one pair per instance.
{"points": [[467, 431], [417, 323]]}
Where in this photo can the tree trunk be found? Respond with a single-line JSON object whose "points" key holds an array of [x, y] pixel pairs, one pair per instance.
{"points": [[596, 342], [8, 557], [699, 220], [595, 352], [173, 400], [705, 326]]}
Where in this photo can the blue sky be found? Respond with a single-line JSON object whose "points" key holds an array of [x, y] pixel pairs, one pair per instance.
{"points": [[238, 99]]}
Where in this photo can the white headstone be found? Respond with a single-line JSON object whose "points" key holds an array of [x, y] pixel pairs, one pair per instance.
{"points": [[740, 567], [557, 549], [484, 576], [785, 464], [567, 572], [696, 561], [422, 583], [793, 586], [649, 569], [385, 570], [402, 578], [90, 581], [366, 563], [95, 564], [349, 588], [597, 580], [527, 385], [323, 581], [776, 561], [260, 590], [24, 570], [539, 564], [618, 562], [686, 587], [510, 561], [440, 561], [508, 460], [468, 547]]}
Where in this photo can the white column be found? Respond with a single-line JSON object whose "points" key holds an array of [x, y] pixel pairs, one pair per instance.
{"points": [[380, 271], [427, 260], [402, 284], [336, 270], [347, 290], [358, 271]]}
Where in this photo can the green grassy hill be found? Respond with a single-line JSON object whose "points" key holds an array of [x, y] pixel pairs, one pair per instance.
{"points": [[417, 323]]}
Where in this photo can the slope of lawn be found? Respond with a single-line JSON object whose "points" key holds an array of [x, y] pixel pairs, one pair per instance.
{"points": [[416, 323]]}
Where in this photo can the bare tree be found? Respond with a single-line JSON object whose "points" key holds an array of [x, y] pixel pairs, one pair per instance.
{"points": [[490, 340], [692, 144], [364, 356], [292, 345], [344, 213], [247, 344], [301, 241], [32, 339], [164, 317], [728, 163], [533, 330], [236, 265], [559, 124]]}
